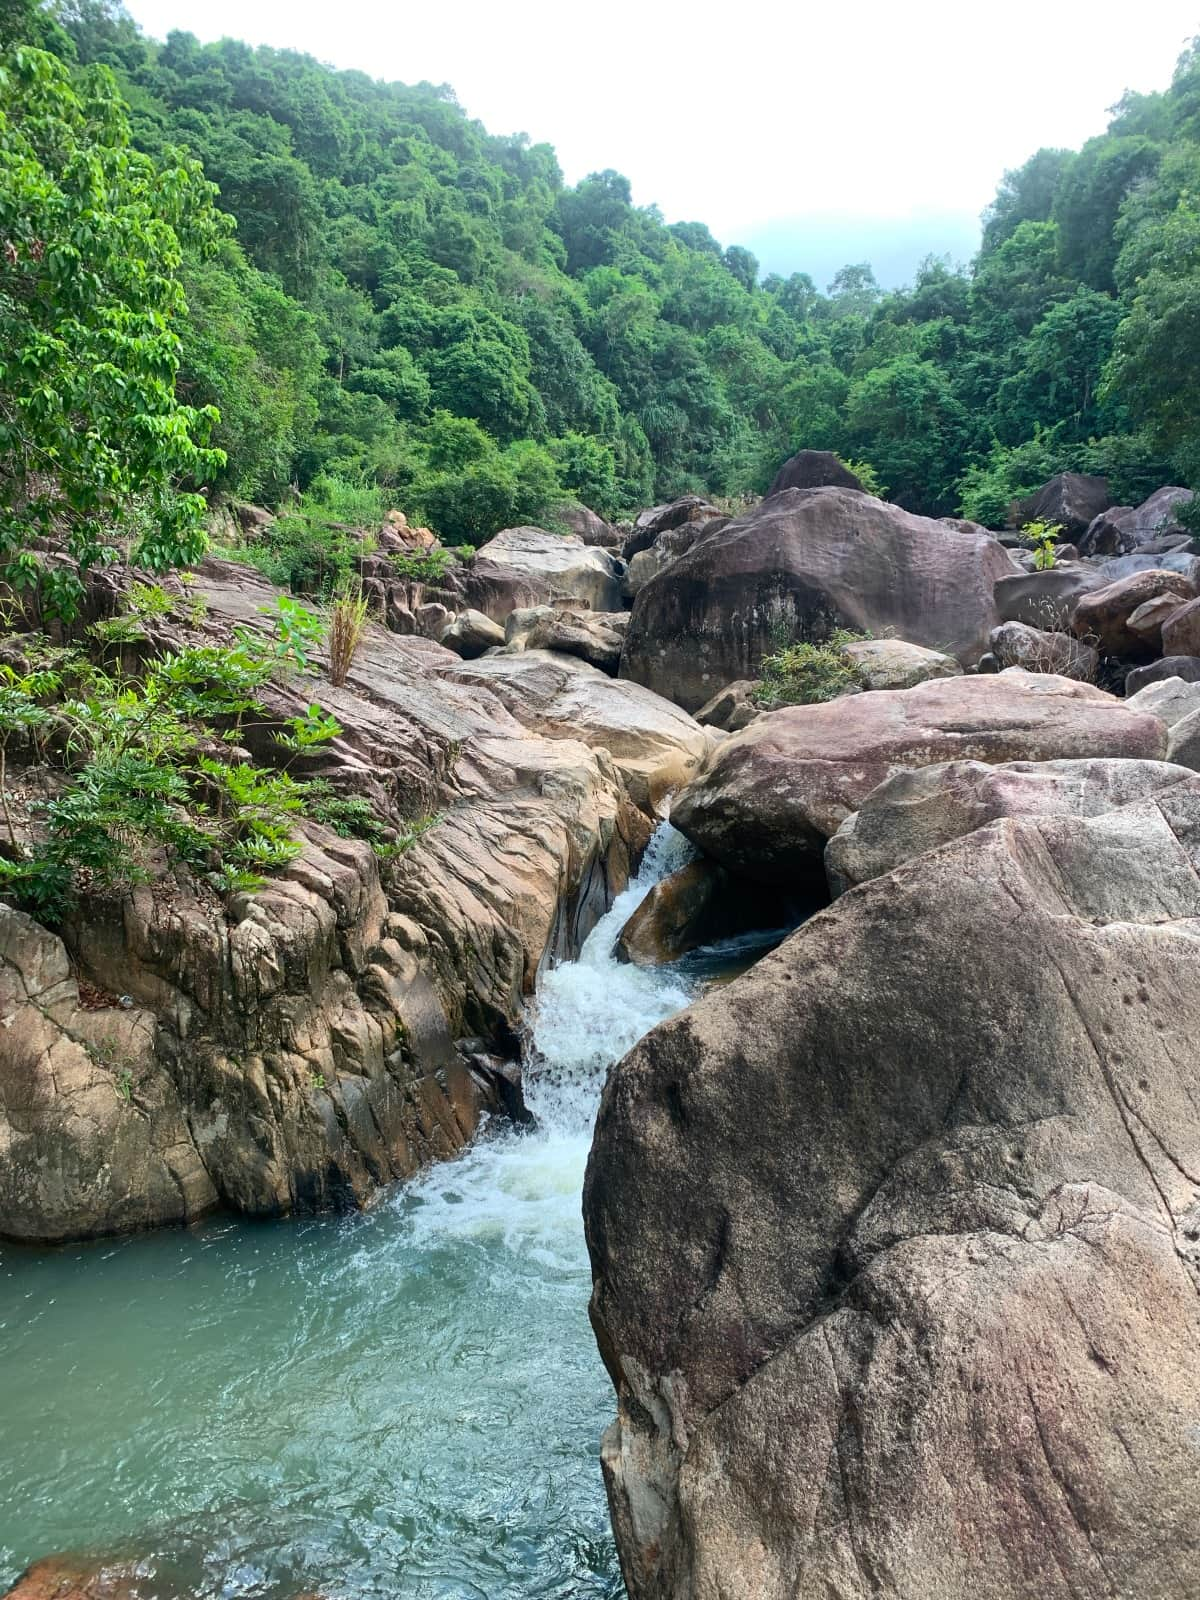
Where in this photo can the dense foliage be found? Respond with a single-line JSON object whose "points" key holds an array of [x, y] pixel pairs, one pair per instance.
{"points": [[91, 235], [412, 304]]}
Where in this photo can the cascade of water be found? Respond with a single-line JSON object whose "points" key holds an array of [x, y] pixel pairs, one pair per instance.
{"points": [[404, 1404]]}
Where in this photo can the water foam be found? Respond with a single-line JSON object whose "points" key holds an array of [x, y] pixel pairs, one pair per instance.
{"points": [[402, 1405]]}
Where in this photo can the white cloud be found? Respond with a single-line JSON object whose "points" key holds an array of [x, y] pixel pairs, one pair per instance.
{"points": [[740, 116]]}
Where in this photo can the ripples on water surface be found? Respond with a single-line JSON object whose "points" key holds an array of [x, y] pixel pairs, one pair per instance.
{"points": [[405, 1403]]}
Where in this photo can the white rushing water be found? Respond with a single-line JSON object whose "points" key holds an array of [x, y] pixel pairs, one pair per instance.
{"points": [[405, 1403]]}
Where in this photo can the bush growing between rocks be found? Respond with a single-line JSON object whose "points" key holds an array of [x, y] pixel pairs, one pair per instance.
{"points": [[1042, 536], [348, 618], [806, 673], [134, 768], [430, 568]]}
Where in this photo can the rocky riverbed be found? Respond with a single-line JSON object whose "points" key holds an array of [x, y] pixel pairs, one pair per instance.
{"points": [[892, 1237]]}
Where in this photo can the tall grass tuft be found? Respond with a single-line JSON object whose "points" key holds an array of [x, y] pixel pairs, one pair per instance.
{"points": [[349, 613]]}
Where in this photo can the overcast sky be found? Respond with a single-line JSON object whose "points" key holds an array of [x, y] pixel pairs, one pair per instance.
{"points": [[815, 137]]}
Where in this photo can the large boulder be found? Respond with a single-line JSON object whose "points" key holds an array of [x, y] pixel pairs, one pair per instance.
{"points": [[802, 562], [1070, 499], [1177, 706], [552, 566], [585, 524], [667, 547], [594, 636], [1044, 600], [1185, 667], [652, 524], [1143, 561], [1181, 630], [1014, 644], [732, 708], [923, 807], [696, 905], [770, 797], [813, 469], [1122, 529], [471, 633], [1147, 620], [1101, 618], [894, 1238], [896, 664], [1168, 699], [656, 747]]}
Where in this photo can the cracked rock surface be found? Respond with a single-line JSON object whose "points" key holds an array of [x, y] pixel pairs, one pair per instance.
{"points": [[293, 1048], [894, 1239]]}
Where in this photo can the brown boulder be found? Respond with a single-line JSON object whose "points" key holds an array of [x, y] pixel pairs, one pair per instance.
{"points": [[893, 1239], [1185, 667], [1121, 529], [1148, 619], [732, 709], [1181, 631], [1044, 600], [769, 797], [924, 807], [1071, 499], [801, 563], [586, 525], [651, 524], [667, 547], [594, 636], [813, 469], [1101, 618], [681, 912], [1016, 645]]}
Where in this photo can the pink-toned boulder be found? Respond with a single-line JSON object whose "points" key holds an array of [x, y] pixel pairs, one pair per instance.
{"points": [[1181, 631], [770, 797], [1101, 618], [800, 563]]}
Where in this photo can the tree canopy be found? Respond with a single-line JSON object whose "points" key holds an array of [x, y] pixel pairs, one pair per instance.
{"points": [[406, 301]]}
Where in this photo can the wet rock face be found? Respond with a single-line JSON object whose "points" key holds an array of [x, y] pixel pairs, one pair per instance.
{"points": [[893, 1239], [770, 797], [700, 904], [802, 562], [292, 1048]]}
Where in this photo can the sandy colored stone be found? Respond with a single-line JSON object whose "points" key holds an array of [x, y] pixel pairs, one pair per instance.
{"points": [[893, 1238]]}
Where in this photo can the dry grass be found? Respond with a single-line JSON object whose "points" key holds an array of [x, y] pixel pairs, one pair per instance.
{"points": [[349, 614]]}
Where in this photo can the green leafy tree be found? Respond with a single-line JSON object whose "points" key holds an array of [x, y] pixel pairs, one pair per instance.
{"points": [[91, 237]]}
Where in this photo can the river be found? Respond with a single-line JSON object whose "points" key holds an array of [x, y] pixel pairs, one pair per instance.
{"points": [[405, 1402]]}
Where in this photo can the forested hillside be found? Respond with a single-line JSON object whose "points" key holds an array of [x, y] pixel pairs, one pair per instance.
{"points": [[412, 302]]}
